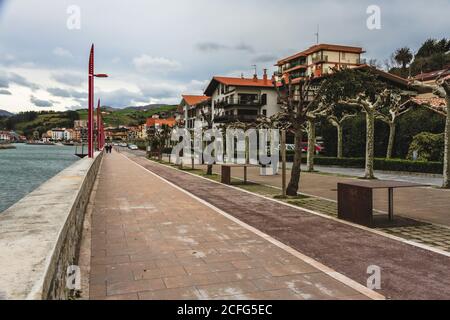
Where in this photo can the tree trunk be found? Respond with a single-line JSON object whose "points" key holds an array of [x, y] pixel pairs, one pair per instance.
{"points": [[296, 165], [446, 183], [311, 146], [209, 169], [370, 123], [390, 148], [339, 128]]}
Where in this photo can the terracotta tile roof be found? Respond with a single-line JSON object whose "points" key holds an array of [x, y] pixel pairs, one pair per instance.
{"points": [[244, 82], [322, 46], [151, 122], [194, 100], [432, 75], [433, 102], [238, 82]]}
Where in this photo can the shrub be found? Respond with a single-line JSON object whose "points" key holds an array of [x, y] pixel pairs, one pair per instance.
{"points": [[382, 164], [429, 147]]}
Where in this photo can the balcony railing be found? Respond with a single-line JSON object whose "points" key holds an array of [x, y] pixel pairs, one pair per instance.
{"points": [[235, 118], [241, 102], [317, 59]]}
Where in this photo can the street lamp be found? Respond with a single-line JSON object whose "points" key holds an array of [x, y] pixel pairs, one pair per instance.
{"points": [[91, 76]]}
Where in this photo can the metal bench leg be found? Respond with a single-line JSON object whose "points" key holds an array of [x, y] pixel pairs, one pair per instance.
{"points": [[391, 204]]}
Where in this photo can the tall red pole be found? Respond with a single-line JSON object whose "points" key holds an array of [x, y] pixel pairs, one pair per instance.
{"points": [[91, 105]]}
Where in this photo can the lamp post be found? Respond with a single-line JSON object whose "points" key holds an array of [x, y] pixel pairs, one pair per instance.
{"points": [[91, 76]]}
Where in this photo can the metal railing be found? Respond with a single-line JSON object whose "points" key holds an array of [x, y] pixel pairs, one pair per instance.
{"points": [[235, 118], [241, 102]]}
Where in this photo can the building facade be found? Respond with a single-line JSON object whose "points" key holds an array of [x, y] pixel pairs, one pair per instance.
{"points": [[189, 109], [5, 136], [320, 60], [242, 99]]}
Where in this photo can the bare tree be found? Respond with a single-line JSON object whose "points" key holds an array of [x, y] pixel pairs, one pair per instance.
{"points": [[208, 118], [441, 89], [370, 107], [338, 123], [295, 108], [395, 106]]}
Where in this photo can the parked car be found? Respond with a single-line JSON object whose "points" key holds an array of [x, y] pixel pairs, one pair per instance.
{"points": [[319, 149], [133, 147]]}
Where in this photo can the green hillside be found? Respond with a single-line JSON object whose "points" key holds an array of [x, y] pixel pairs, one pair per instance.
{"points": [[26, 123], [128, 116]]}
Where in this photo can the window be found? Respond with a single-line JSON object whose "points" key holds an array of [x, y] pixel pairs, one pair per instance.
{"points": [[264, 99], [264, 112]]}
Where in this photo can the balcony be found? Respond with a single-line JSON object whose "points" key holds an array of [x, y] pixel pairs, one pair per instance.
{"points": [[242, 101], [229, 118], [319, 59]]}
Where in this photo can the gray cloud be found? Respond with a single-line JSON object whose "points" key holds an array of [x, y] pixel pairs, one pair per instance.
{"points": [[209, 46], [40, 103], [120, 98], [5, 92], [265, 57], [67, 93], [215, 46], [69, 78], [8, 78]]}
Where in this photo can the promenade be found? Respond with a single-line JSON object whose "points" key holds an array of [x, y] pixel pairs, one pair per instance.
{"points": [[151, 240]]}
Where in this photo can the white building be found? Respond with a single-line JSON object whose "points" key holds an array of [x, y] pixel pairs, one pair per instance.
{"points": [[5, 136], [189, 109], [58, 134], [242, 99]]}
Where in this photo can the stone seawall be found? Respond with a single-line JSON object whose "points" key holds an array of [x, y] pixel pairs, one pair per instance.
{"points": [[40, 234]]}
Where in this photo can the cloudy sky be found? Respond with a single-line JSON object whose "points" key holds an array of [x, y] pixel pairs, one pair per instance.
{"points": [[155, 50]]}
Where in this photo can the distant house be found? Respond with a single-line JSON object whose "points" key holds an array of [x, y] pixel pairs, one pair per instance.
{"points": [[5, 136], [116, 134], [154, 124], [188, 109], [58, 134], [46, 137]]}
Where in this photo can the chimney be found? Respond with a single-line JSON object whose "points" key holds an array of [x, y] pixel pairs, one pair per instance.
{"points": [[265, 76], [255, 77], [242, 75]]}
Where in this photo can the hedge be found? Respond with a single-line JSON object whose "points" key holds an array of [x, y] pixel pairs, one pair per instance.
{"points": [[382, 164]]}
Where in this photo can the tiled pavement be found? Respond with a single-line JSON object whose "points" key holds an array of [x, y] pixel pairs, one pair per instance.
{"points": [[408, 272], [424, 204], [152, 241], [431, 235]]}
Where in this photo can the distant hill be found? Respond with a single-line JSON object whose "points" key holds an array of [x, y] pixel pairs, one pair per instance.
{"points": [[4, 113], [129, 116], [27, 122], [147, 107]]}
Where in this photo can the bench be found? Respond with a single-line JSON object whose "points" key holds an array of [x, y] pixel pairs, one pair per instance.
{"points": [[355, 199]]}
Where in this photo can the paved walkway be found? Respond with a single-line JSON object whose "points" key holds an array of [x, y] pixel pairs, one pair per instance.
{"points": [[408, 272], [152, 241], [425, 204]]}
